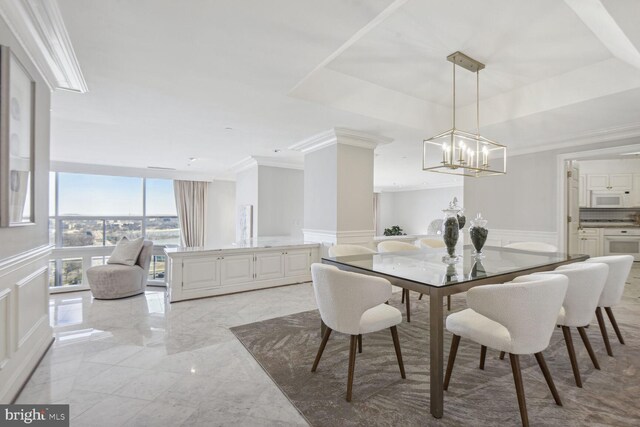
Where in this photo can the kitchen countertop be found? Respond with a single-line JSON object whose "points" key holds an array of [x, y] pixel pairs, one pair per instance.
{"points": [[591, 225]]}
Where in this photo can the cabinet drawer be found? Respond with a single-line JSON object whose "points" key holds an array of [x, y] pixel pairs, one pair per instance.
{"points": [[589, 232]]}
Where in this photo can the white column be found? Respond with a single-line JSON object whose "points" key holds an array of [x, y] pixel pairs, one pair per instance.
{"points": [[338, 186]]}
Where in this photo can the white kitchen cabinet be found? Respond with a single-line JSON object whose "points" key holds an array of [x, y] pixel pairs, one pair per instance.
{"points": [[621, 181], [597, 182], [604, 182], [590, 241], [236, 268], [270, 265], [296, 262], [590, 246], [201, 272], [635, 192]]}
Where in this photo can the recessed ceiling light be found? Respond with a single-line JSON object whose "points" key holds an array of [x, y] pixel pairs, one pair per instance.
{"points": [[277, 150], [637, 153]]}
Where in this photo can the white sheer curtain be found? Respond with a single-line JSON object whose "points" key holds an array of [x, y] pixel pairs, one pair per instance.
{"points": [[191, 204]]}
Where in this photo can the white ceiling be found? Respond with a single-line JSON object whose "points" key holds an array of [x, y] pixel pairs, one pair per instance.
{"points": [[167, 79]]}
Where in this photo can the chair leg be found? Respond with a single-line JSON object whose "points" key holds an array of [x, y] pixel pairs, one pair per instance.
{"points": [[572, 355], [396, 345], [517, 379], [502, 355], [483, 355], [325, 338], [352, 365], [615, 324], [448, 302], [408, 302], [360, 343], [402, 298], [587, 344], [547, 377], [452, 358], [420, 297], [603, 331]]}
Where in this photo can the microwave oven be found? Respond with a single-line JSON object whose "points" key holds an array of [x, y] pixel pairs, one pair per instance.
{"points": [[610, 199]]}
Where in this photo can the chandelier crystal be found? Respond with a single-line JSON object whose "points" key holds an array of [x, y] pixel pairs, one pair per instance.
{"points": [[463, 153]]}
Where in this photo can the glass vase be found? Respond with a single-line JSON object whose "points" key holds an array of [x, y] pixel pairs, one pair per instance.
{"points": [[450, 233], [478, 233]]}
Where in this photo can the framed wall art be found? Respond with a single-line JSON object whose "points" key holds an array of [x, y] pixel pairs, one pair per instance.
{"points": [[17, 144]]}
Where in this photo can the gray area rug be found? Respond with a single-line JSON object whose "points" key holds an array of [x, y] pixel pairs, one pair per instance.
{"points": [[286, 348]]}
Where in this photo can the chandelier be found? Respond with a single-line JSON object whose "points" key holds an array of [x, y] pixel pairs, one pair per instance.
{"points": [[463, 153]]}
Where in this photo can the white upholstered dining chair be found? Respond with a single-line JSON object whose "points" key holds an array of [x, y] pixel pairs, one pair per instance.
{"points": [[517, 318], [586, 281], [347, 250], [532, 247], [395, 246], [353, 304], [619, 269], [431, 243]]}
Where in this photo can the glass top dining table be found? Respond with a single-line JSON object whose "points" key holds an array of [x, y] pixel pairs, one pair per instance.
{"points": [[425, 271]]}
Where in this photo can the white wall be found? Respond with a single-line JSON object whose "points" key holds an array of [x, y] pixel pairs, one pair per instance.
{"points": [[247, 194], [414, 210], [277, 196], [527, 197], [281, 201], [221, 213], [24, 255]]}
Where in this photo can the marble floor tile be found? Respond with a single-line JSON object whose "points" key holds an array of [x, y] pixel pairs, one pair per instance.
{"points": [[109, 380], [159, 414], [111, 411], [148, 386]]}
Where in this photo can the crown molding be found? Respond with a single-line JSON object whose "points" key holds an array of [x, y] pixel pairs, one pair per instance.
{"points": [[340, 136], [394, 189], [40, 29], [586, 138], [251, 161]]}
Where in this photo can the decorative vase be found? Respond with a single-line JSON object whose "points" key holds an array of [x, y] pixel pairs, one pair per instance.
{"points": [[478, 234], [451, 232], [477, 270], [462, 220]]}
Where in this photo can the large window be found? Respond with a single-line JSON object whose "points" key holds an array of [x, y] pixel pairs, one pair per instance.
{"points": [[91, 212]]}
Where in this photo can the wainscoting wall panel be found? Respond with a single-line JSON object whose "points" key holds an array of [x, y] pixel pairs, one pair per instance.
{"points": [[25, 333], [32, 301], [5, 327]]}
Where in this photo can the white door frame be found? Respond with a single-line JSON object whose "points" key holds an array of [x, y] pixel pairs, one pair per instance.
{"points": [[562, 196]]}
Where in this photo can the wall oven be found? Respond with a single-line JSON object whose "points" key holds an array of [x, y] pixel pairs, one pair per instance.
{"points": [[622, 241], [610, 199]]}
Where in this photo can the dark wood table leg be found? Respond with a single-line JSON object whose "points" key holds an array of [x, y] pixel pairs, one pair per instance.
{"points": [[408, 302], [436, 337]]}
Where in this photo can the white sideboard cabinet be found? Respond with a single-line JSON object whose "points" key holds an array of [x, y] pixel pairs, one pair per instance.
{"points": [[197, 273]]}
